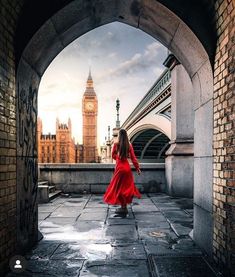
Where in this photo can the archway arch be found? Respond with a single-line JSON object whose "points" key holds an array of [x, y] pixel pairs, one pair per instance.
{"points": [[70, 22]]}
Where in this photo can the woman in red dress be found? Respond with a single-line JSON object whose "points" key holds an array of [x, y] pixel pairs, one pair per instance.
{"points": [[122, 189]]}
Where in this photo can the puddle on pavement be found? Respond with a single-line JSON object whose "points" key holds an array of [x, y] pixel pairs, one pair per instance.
{"points": [[52, 231], [97, 251]]}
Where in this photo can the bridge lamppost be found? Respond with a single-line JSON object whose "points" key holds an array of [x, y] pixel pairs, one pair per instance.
{"points": [[108, 144], [117, 108], [117, 128]]}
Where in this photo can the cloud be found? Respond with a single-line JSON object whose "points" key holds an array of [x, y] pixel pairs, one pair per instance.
{"points": [[112, 55], [152, 50], [125, 62], [137, 63]]}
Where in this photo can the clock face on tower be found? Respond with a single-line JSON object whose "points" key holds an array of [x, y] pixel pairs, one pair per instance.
{"points": [[90, 106]]}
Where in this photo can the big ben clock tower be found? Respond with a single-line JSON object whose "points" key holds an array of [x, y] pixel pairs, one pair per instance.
{"points": [[89, 112]]}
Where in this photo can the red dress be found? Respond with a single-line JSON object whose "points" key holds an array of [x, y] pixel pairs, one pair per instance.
{"points": [[122, 188]]}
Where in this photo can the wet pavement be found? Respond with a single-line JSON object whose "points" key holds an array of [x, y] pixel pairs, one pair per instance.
{"points": [[82, 236]]}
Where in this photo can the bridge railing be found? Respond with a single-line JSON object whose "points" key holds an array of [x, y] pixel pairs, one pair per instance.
{"points": [[159, 86], [94, 178]]}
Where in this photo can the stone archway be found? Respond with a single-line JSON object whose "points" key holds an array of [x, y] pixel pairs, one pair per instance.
{"points": [[59, 30]]}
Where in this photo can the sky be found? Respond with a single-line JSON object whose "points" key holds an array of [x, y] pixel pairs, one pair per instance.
{"points": [[124, 61]]}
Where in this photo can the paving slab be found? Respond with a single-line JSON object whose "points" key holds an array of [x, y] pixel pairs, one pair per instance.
{"points": [[121, 232], [50, 268], [48, 209], [77, 196], [93, 215], [154, 235], [83, 236], [58, 221], [176, 214], [64, 233], [150, 217], [153, 224], [96, 204], [159, 248], [187, 247], [119, 220], [180, 266], [70, 252], [63, 211], [86, 226], [90, 230], [184, 203], [180, 229], [54, 268], [58, 200], [161, 199], [131, 251], [183, 220], [142, 201], [95, 209], [145, 208], [116, 268], [75, 203], [43, 250], [43, 215]]}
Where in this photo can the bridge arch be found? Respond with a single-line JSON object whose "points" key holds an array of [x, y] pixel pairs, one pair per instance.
{"points": [[150, 144], [141, 129]]}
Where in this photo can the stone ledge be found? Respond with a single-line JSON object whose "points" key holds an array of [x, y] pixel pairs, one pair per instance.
{"points": [[96, 167], [181, 149]]}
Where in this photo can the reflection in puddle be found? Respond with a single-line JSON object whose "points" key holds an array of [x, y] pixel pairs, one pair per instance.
{"points": [[52, 231], [96, 251]]}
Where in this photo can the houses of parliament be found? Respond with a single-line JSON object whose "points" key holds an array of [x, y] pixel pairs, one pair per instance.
{"points": [[61, 147]]}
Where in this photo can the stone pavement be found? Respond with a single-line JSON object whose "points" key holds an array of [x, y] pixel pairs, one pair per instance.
{"points": [[84, 237]]}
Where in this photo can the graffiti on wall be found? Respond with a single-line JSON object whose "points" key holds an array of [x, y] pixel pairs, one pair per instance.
{"points": [[26, 162]]}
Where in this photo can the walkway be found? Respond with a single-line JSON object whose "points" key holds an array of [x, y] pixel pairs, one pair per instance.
{"points": [[84, 237]]}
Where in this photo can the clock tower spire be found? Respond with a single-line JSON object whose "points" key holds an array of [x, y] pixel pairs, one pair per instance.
{"points": [[89, 114]]}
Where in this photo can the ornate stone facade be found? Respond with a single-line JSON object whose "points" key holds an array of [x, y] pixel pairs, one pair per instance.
{"points": [[89, 114], [59, 147]]}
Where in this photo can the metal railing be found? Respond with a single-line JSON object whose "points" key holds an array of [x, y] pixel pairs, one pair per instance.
{"points": [[160, 85]]}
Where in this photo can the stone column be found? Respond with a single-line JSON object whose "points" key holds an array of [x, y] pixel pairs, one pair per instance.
{"points": [[179, 161]]}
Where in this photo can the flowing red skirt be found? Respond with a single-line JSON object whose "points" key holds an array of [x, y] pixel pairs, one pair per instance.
{"points": [[121, 189]]}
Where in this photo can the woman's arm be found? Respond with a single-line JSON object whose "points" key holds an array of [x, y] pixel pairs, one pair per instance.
{"points": [[114, 151], [134, 159]]}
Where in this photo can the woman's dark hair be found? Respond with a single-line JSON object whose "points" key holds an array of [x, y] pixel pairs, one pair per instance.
{"points": [[123, 145]]}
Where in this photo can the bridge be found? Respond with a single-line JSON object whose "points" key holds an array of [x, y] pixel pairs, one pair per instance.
{"points": [[149, 125], [161, 127]]}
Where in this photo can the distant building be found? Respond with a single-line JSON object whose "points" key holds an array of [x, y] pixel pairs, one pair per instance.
{"points": [[89, 115], [59, 147]]}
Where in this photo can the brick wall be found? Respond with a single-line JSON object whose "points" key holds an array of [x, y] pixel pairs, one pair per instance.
{"points": [[224, 137], [8, 13]]}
